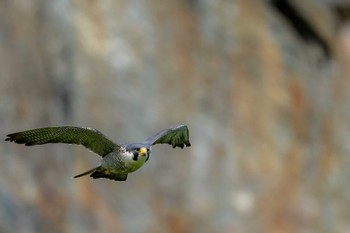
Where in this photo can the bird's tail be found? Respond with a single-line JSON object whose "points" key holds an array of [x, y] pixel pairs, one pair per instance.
{"points": [[101, 172], [87, 172]]}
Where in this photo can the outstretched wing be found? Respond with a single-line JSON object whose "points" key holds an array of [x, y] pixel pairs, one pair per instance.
{"points": [[89, 138], [175, 136]]}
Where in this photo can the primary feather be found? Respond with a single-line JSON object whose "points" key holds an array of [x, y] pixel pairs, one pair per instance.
{"points": [[176, 136], [88, 137]]}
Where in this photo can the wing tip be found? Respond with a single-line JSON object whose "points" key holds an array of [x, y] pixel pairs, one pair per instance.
{"points": [[182, 145], [11, 137], [15, 137]]}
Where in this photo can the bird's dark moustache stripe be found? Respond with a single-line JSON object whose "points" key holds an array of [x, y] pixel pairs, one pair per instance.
{"points": [[136, 156]]}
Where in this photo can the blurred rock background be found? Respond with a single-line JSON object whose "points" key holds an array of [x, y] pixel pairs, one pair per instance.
{"points": [[262, 85]]}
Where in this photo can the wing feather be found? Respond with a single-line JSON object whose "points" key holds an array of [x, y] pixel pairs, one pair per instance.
{"points": [[88, 137], [176, 136]]}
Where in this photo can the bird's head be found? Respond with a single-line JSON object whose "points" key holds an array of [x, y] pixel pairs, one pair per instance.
{"points": [[139, 150]]}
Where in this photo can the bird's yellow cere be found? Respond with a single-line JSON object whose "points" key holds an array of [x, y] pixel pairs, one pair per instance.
{"points": [[143, 151]]}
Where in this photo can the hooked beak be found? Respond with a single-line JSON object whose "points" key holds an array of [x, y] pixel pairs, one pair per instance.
{"points": [[143, 151]]}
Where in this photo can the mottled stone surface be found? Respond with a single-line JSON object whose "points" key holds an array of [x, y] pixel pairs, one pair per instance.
{"points": [[268, 115]]}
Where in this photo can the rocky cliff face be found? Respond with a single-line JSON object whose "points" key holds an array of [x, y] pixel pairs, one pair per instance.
{"points": [[262, 85]]}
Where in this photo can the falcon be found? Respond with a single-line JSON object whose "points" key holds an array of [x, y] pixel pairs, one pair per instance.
{"points": [[118, 160]]}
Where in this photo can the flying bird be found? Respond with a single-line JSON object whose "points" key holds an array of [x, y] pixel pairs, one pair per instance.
{"points": [[118, 160]]}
